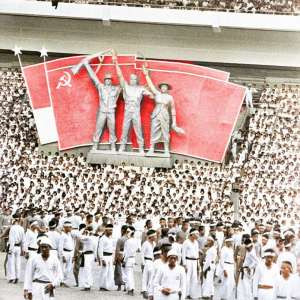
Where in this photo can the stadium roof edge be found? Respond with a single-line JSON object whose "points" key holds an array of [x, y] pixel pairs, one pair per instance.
{"points": [[105, 13]]}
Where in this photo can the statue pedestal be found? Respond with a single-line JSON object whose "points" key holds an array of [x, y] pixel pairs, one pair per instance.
{"points": [[155, 160]]}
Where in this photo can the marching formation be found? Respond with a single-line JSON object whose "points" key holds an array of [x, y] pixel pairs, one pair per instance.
{"points": [[179, 259]]}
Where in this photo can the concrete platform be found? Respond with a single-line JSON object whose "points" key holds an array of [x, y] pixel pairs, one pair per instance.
{"points": [[156, 160]]}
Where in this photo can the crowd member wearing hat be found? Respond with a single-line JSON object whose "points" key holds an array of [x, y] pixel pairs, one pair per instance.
{"points": [[283, 286], [190, 257], [31, 235], [226, 270], [131, 247], [160, 255], [287, 255], [160, 117], [246, 271], [66, 251], [209, 267], [295, 291], [105, 253], [43, 273], [170, 280], [16, 244], [265, 277], [147, 261], [159, 260]]}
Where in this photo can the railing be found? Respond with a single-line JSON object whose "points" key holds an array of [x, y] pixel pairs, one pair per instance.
{"points": [[228, 6]]}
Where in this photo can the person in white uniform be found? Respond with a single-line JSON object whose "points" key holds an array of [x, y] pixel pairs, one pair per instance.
{"points": [[131, 247], [160, 259], [287, 255], [87, 258], [227, 287], [209, 267], [295, 290], [54, 237], [43, 273], [283, 286], [147, 261], [31, 235], [245, 274], [65, 251], [170, 280], [190, 257], [16, 244], [105, 258], [265, 277]]}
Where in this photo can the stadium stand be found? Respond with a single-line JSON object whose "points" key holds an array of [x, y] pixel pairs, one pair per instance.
{"points": [[241, 6], [265, 168]]}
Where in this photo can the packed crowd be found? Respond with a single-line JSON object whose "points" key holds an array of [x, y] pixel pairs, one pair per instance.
{"points": [[242, 6], [79, 211], [180, 258]]}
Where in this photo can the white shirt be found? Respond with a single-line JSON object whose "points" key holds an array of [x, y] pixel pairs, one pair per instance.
{"points": [[54, 237], [88, 243], [130, 248], [105, 245], [210, 258], [265, 276], [65, 242], [147, 251], [46, 270], [295, 284], [189, 249], [226, 258], [174, 279], [284, 287], [30, 240], [16, 236]]}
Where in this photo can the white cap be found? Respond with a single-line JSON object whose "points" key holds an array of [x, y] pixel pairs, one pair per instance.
{"points": [[229, 240], [45, 241], [172, 252]]}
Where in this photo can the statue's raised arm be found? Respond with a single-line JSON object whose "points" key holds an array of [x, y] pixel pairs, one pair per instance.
{"points": [[152, 87], [118, 69]]}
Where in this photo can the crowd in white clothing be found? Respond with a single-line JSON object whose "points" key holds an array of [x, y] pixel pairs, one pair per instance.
{"points": [[48, 190]]}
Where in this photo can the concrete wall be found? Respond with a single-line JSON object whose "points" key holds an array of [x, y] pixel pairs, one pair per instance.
{"points": [[192, 43]]}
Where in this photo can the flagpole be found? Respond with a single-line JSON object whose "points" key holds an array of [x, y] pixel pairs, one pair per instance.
{"points": [[44, 54]]}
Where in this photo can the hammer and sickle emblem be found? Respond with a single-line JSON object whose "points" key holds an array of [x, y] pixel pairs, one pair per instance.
{"points": [[64, 80]]}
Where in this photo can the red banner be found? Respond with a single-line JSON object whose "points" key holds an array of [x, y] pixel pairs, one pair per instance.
{"points": [[207, 108]]}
